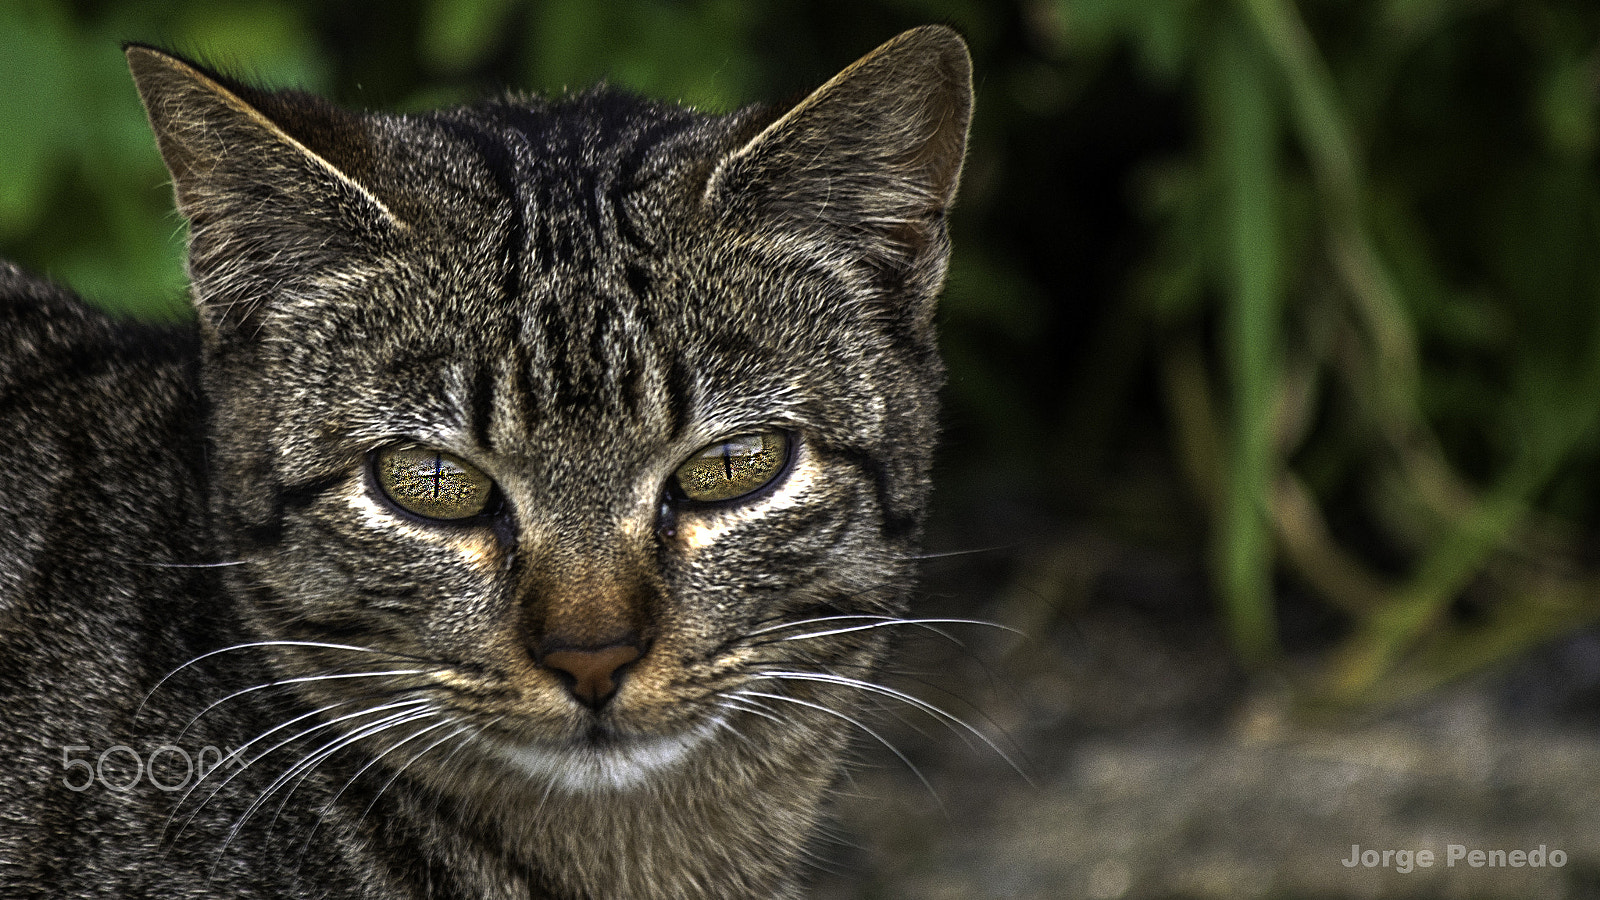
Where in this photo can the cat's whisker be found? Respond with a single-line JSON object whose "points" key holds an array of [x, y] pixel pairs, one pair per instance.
{"points": [[746, 705], [544, 798], [828, 834], [722, 723], [918, 677], [867, 621], [205, 565], [845, 606], [955, 723], [865, 729], [816, 620], [302, 769], [463, 728], [310, 762], [237, 753], [321, 645], [925, 681], [921, 730], [994, 678], [233, 756], [404, 706], [887, 622], [220, 564], [750, 706], [320, 756], [303, 679], [948, 554], [305, 845], [438, 797]]}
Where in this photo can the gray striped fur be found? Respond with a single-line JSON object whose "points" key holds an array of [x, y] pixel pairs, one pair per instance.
{"points": [[575, 295]]}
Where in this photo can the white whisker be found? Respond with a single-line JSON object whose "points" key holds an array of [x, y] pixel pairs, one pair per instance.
{"points": [[477, 731], [273, 749], [948, 554], [865, 728], [167, 565], [310, 762], [867, 622], [781, 626], [739, 702], [887, 621], [722, 723], [462, 729], [336, 743], [303, 679], [234, 755], [246, 646], [951, 721], [323, 814]]}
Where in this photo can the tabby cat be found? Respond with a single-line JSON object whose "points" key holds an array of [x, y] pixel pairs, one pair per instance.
{"points": [[522, 516]]}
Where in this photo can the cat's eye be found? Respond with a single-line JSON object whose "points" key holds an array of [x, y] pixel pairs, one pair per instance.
{"points": [[732, 467], [432, 483]]}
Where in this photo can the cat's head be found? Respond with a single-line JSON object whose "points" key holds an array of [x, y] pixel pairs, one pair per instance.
{"points": [[604, 425]]}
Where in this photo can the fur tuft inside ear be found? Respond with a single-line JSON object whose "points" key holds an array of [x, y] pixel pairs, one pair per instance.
{"points": [[272, 183], [209, 126], [874, 155]]}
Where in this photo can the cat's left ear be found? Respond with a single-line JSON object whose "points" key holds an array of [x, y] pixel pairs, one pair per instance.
{"points": [[873, 157], [273, 183], [214, 132]]}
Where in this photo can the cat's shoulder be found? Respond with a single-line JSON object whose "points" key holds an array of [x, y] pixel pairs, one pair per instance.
{"points": [[36, 314], [79, 383], [103, 408], [50, 334]]}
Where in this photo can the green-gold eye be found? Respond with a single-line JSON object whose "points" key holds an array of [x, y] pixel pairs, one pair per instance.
{"points": [[432, 483], [732, 467]]}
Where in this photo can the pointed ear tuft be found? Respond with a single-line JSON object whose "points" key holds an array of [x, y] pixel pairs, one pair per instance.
{"points": [[273, 183], [209, 126], [874, 155]]}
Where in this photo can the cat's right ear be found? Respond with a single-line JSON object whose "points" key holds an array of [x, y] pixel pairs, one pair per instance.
{"points": [[282, 175], [869, 161]]}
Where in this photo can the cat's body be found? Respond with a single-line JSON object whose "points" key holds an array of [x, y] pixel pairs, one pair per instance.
{"points": [[520, 518]]}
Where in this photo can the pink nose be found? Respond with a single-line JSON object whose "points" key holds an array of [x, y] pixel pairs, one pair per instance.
{"points": [[592, 675]]}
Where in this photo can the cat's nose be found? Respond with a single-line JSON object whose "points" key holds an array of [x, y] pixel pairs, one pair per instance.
{"points": [[593, 674]]}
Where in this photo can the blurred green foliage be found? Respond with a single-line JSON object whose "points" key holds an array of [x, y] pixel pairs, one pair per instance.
{"points": [[1309, 290], [1376, 284]]}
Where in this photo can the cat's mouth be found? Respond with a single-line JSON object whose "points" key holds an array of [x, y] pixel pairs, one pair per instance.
{"points": [[602, 758]]}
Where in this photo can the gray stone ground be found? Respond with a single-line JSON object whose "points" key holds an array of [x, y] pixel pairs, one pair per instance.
{"points": [[1161, 773]]}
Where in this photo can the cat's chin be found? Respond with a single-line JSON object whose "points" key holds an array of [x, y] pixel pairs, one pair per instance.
{"points": [[605, 761]]}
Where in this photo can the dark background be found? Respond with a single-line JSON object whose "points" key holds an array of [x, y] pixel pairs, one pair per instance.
{"points": [[1274, 354]]}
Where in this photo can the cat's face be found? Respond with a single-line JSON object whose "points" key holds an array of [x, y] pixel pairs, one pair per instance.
{"points": [[585, 397], [599, 429]]}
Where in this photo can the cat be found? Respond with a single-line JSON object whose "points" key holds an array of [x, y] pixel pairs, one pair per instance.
{"points": [[524, 514]]}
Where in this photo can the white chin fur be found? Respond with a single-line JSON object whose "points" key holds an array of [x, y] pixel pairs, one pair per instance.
{"points": [[613, 768]]}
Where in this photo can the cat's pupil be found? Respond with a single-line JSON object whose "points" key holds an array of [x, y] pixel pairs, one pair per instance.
{"points": [[733, 467], [432, 483]]}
